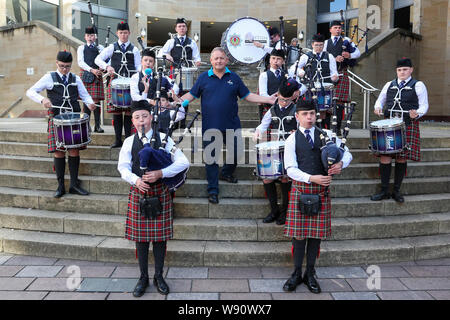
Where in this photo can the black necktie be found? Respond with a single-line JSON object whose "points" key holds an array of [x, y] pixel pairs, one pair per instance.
{"points": [[308, 138], [64, 79], [335, 40], [278, 74], [182, 41], [402, 84], [122, 46]]}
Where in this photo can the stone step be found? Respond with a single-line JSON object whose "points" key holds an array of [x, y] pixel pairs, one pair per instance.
{"points": [[108, 168], [358, 138], [224, 229], [194, 153], [196, 207], [223, 253], [198, 187]]}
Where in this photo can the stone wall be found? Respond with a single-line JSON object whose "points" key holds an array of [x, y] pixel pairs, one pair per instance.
{"points": [[29, 45]]}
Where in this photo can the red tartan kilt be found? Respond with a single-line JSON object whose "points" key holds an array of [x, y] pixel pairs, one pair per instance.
{"points": [[413, 141], [140, 229], [342, 88], [300, 226], [95, 89], [51, 140], [110, 108]]}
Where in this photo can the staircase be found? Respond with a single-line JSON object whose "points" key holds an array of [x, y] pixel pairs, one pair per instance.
{"points": [[230, 233]]}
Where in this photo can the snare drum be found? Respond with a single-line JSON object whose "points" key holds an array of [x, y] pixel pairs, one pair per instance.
{"points": [[188, 76], [387, 136], [270, 160], [72, 130], [121, 92], [324, 97], [237, 40]]}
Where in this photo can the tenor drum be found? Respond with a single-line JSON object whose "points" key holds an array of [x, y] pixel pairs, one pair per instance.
{"points": [[237, 40], [188, 76], [324, 97], [387, 136], [72, 130], [270, 160], [121, 92]]}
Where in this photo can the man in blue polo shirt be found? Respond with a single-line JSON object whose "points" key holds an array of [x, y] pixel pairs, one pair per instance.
{"points": [[219, 90]]}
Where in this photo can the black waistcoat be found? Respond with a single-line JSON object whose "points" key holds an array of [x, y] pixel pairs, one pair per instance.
{"points": [[324, 62], [408, 101], [116, 60], [164, 120], [308, 159], [137, 146], [89, 56], [56, 94], [290, 124], [177, 50], [273, 84]]}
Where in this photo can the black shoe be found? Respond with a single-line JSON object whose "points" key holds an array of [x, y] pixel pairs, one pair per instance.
{"points": [[78, 190], [60, 191], [281, 220], [99, 130], [213, 198], [228, 178], [271, 217], [116, 144], [311, 282], [293, 281], [397, 196], [161, 285], [380, 196], [139, 290]]}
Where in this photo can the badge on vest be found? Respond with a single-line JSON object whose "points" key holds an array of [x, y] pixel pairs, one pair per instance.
{"points": [[230, 82]]}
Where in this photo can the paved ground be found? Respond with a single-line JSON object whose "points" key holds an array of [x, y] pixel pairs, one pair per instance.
{"points": [[37, 278]]}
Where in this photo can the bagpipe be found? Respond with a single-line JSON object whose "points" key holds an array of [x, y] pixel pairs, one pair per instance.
{"points": [[153, 156]]}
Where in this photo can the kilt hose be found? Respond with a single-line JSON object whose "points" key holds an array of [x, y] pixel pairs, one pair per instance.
{"points": [[300, 226], [413, 141], [51, 139], [95, 89], [140, 229]]}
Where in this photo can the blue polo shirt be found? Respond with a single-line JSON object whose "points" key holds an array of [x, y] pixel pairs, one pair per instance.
{"points": [[219, 99]]}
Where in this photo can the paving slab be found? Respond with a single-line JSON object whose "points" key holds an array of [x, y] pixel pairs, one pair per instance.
{"points": [[245, 296], [188, 273], [404, 295], [340, 272], [4, 258], [328, 285], [9, 271], [88, 271], [234, 273], [50, 284], [301, 296], [39, 271], [21, 295], [129, 296], [426, 283], [107, 285], [8, 284], [440, 294], [193, 296], [214, 285], [387, 284], [355, 296], [76, 296], [20, 260], [266, 285], [429, 271]]}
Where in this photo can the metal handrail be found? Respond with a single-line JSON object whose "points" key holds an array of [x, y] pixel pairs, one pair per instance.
{"points": [[367, 89]]}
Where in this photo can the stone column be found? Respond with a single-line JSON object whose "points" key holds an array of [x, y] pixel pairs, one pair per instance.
{"points": [[66, 23], [2, 13], [195, 28], [417, 13], [362, 24]]}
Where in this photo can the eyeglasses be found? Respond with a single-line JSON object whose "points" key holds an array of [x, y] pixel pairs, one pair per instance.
{"points": [[285, 100], [64, 66]]}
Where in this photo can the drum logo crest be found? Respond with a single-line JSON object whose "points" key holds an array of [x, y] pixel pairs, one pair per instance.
{"points": [[234, 40]]}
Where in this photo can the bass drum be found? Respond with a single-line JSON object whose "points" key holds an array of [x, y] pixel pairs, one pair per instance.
{"points": [[237, 40]]}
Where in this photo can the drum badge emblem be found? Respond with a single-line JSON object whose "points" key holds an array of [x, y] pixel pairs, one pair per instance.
{"points": [[235, 40]]}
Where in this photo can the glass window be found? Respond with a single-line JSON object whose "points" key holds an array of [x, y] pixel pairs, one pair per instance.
{"points": [[43, 10], [16, 11], [331, 5], [115, 4]]}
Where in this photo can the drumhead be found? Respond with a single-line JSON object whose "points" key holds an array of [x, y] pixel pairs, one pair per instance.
{"points": [[386, 123], [270, 145], [238, 39], [70, 117], [121, 83]]}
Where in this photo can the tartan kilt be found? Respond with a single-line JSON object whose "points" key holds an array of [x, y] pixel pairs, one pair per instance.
{"points": [[342, 88], [95, 89], [139, 228], [51, 140], [110, 108], [413, 141], [300, 226]]}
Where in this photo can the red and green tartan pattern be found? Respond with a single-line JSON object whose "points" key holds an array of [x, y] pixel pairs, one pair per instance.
{"points": [[140, 229], [342, 88], [300, 226], [95, 89], [51, 140]]}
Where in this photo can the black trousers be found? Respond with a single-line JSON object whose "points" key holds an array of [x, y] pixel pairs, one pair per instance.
{"points": [[159, 254], [312, 246]]}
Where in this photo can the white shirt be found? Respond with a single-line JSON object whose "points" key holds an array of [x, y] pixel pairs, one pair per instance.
{"points": [[269, 49], [168, 46], [180, 162], [134, 87], [421, 92], [80, 57], [354, 55], [46, 83], [290, 157], [267, 119], [304, 60], [262, 84], [108, 52]]}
